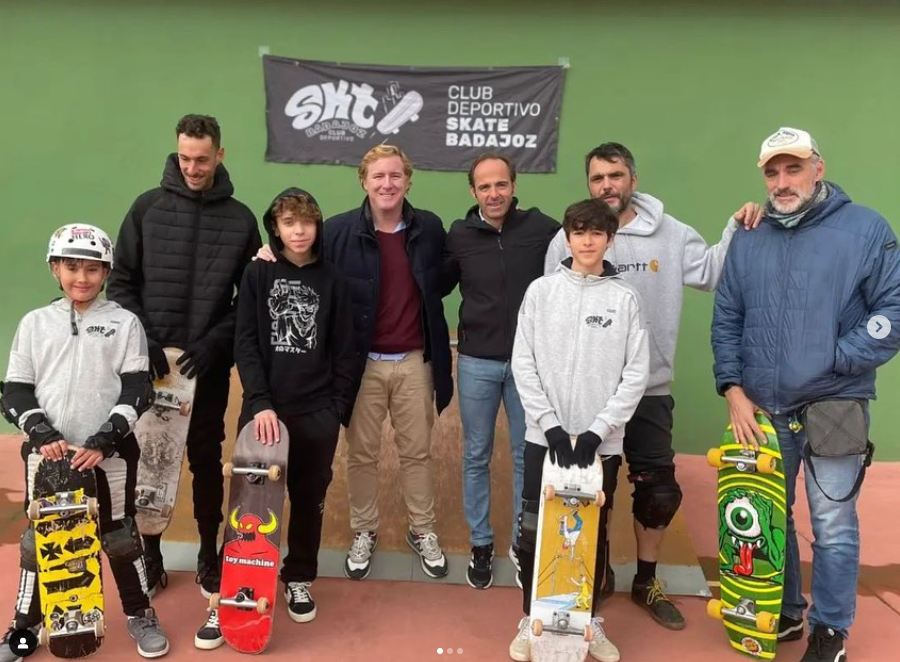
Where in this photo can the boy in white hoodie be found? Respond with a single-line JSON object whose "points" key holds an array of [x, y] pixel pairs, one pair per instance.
{"points": [[580, 362], [76, 382]]}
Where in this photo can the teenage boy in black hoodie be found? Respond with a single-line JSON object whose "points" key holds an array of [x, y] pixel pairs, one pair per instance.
{"points": [[296, 357]]}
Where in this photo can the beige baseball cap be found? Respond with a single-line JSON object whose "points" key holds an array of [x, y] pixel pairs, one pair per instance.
{"points": [[786, 140]]}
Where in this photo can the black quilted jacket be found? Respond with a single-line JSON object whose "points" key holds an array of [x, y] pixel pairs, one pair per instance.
{"points": [[179, 259]]}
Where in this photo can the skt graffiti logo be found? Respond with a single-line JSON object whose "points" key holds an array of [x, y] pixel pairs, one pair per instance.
{"points": [[344, 111]]}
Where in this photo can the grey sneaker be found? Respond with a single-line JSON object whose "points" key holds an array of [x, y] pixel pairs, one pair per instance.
{"points": [[514, 558], [209, 637], [434, 563], [520, 648], [359, 559], [145, 630], [6, 652], [600, 647]]}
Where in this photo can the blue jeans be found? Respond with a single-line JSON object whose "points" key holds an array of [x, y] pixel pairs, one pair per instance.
{"points": [[481, 383], [835, 528]]}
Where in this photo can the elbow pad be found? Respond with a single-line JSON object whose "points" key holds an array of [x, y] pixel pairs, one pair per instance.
{"points": [[137, 391], [16, 398]]}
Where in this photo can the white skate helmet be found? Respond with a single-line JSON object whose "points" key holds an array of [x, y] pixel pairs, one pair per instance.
{"points": [[82, 242]]}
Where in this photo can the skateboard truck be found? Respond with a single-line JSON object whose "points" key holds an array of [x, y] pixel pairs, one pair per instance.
{"points": [[145, 499], [65, 505], [572, 497], [166, 400], [73, 622], [748, 461], [253, 473], [243, 600], [744, 610], [560, 625]]}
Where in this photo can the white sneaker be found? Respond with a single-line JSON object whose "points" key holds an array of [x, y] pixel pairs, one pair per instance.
{"points": [[514, 558], [600, 647], [520, 648]]}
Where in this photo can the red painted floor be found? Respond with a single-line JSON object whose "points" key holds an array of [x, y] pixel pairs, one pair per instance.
{"points": [[373, 620]]}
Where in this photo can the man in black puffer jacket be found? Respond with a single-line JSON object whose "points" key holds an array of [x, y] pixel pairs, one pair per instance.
{"points": [[180, 255]]}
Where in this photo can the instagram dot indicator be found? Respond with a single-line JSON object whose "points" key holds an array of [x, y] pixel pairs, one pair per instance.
{"points": [[449, 651], [440, 651], [459, 650]]}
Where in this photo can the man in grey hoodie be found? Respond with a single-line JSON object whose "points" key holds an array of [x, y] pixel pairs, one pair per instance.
{"points": [[658, 255]]}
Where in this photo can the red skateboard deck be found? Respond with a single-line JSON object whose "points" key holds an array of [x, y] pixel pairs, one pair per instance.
{"points": [[252, 549]]}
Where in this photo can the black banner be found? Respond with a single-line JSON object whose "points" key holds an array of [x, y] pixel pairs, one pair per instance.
{"points": [[442, 117]]}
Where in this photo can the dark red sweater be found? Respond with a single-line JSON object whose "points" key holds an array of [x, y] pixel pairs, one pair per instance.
{"points": [[398, 327]]}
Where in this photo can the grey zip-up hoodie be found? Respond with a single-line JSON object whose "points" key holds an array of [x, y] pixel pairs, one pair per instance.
{"points": [[77, 377], [659, 255], [580, 358]]}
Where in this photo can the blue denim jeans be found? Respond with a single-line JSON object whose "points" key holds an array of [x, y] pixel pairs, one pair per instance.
{"points": [[481, 383], [835, 529]]}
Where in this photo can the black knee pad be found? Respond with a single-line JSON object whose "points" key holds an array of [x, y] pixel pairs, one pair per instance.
{"points": [[657, 497], [528, 526], [28, 551], [124, 542]]}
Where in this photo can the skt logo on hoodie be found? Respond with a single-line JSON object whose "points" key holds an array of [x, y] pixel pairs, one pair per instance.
{"points": [[598, 321], [292, 309]]}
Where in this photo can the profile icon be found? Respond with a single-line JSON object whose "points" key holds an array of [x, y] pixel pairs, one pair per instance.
{"points": [[22, 642]]}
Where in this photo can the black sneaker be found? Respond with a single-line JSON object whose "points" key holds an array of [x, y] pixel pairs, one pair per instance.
{"points": [[651, 597], [300, 604], [789, 629], [156, 573], [6, 653], [479, 574], [426, 545], [209, 636], [825, 645], [209, 573]]}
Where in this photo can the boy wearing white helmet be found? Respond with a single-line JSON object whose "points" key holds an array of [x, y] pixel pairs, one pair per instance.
{"points": [[78, 378]]}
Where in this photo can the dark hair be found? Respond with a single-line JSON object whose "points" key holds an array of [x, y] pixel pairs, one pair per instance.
{"points": [[490, 156], [591, 214], [199, 126], [610, 152]]}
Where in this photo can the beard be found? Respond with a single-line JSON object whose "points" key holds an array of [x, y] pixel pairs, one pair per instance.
{"points": [[790, 207]]}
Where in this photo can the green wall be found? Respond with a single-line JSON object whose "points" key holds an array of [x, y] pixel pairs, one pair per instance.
{"points": [[92, 90]]}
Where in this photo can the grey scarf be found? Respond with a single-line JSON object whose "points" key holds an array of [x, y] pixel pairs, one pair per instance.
{"points": [[820, 194]]}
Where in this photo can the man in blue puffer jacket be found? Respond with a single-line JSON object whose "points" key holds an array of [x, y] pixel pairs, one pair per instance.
{"points": [[791, 327]]}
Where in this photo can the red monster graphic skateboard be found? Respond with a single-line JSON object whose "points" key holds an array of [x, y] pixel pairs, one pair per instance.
{"points": [[563, 585], [252, 549], [64, 510]]}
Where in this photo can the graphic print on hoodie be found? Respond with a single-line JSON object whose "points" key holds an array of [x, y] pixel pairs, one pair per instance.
{"points": [[293, 307], [294, 342]]}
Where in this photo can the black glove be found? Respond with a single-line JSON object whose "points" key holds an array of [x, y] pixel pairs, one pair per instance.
{"points": [[108, 436], [560, 447], [159, 364], [586, 445], [40, 432], [196, 360]]}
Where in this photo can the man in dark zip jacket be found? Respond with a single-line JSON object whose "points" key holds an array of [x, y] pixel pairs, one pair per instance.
{"points": [[807, 309], [493, 254], [179, 257]]}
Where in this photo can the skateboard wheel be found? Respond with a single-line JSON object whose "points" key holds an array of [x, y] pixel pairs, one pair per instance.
{"points": [[549, 492], [714, 457], [99, 628], [714, 609], [227, 469], [34, 510], [185, 408], [765, 464], [601, 499], [537, 627], [262, 605], [588, 633], [44, 636], [93, 507], [765, 622], [214, 600], [274, 472], [165, 511]]}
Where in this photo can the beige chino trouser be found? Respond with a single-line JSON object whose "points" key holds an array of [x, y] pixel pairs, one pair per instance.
{"points": [[405, 389]]}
